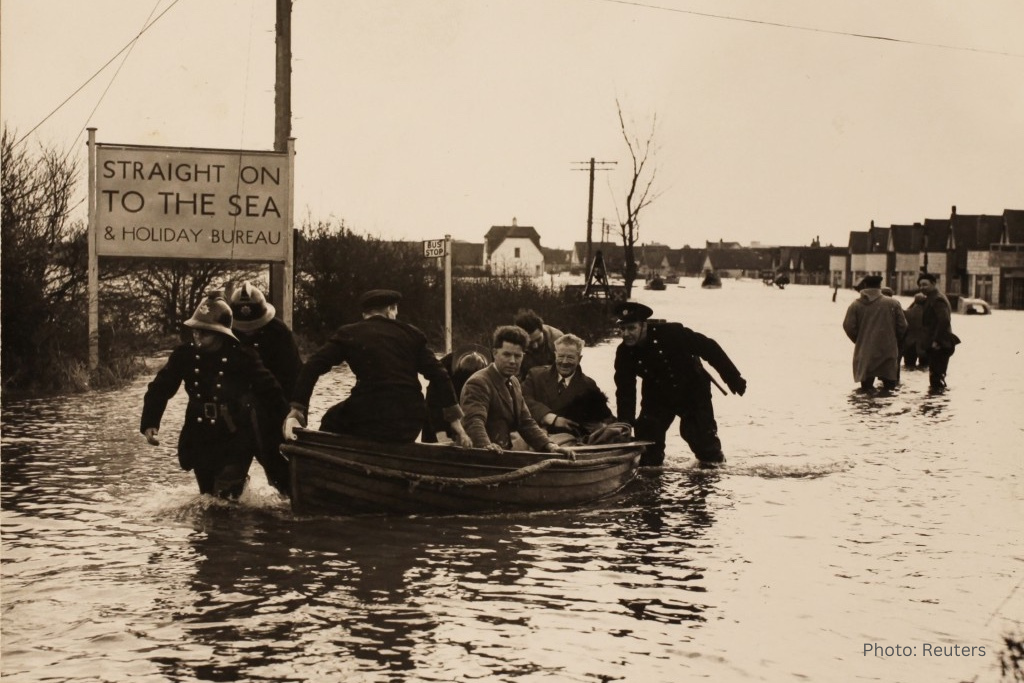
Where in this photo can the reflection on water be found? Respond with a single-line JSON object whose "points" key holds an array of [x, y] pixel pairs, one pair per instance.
{"points": [[842, 517]]}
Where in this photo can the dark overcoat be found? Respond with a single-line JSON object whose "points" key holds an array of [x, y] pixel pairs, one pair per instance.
{"points": [[224, 389], [275, 344], [386, 356], [875, 324], [668, 361]]}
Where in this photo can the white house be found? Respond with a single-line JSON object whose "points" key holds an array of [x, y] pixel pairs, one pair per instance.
{"points": [[513, 250]]}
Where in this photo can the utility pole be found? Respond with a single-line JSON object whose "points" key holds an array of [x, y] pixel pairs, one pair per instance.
{"points": [[282, 135], [592, 165]]}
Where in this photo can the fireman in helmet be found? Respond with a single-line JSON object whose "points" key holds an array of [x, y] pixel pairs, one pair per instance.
{"points": [[219, 438], [254, 324]]}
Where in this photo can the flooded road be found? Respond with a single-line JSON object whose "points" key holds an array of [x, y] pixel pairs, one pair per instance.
{"points": [[842, 521]]}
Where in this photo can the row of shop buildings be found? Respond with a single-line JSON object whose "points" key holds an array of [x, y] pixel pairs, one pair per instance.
{"points": [[977, 256]]}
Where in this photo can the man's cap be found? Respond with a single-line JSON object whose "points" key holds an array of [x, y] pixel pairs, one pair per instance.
{"points": [[379, 298], [869, 282], [250, 308], [632, 312]]}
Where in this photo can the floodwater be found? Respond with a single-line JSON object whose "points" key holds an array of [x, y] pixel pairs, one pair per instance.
{"points": [[842, 521]]}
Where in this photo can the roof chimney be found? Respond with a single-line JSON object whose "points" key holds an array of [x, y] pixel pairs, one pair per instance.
{"points": [[513, 221]]}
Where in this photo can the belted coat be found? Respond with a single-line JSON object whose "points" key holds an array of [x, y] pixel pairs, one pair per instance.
{"points": [[224, 389]]}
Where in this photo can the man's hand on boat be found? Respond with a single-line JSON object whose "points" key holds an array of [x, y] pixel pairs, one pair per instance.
{"points": [[561, 450], [151, 436], [462, 439], [296, 418]]}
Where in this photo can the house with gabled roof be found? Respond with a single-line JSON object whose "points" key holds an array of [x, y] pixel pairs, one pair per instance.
{"points": [[973, 238], [557, 260], [467, 258], [936, 245], [860, 248], [652, 259], [905, 243], [813, 265], [878, 260], [613, 255], [737, 263], [686, 262], [511, 250], [1008, 256]]}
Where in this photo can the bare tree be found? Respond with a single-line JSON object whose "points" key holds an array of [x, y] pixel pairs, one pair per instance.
{"points": [[42, 267], [639, 194]]}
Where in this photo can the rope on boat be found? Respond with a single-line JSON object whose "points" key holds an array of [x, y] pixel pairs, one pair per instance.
{"points": [[489, 480]]}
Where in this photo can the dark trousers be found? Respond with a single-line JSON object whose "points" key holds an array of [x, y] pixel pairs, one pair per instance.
{"points": [[268, 450], [379, 418], [224, 476], [697, 426], [938, 363], [912, 359]]}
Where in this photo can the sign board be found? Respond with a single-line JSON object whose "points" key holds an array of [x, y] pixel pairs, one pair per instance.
{"points": [[168, 202], [433, 248]]}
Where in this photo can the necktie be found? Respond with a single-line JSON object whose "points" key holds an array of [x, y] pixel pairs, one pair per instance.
{"points": [[562, 384]]}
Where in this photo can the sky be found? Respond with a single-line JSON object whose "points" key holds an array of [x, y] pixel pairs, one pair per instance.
{"points": [[773, 122]]}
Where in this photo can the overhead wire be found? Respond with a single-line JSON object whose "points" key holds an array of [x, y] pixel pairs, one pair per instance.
{"points": [[102, 96], [245, 102], [813, 29], [127, 46], [117, 71]]}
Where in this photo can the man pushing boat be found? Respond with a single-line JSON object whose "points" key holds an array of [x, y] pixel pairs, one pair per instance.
{"points": [[667, 358]]}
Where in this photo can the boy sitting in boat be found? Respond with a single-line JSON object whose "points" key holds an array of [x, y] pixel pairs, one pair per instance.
{"points": [[496, 415]]}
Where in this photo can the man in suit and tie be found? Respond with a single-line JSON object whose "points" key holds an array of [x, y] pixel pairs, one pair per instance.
{"points": [[496, 416], [561, 398]]}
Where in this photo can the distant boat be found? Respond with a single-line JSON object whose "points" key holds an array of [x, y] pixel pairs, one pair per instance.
{"points": [[655, 283], [711, 281]]}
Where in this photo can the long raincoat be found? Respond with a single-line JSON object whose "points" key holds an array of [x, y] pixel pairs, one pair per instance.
{"points": [[875, 323]]}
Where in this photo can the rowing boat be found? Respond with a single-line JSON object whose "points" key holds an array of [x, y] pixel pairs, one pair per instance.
{"points": [[333, 473]]}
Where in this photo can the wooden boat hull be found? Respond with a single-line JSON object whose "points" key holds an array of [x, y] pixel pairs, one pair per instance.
{"points": [[332, 473]]}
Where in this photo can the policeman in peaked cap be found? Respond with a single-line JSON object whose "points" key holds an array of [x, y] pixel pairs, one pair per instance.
{"points": [[377, 299], [387, 356], [667, 356], [257, 328], [225, 384], [632, 312]]}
